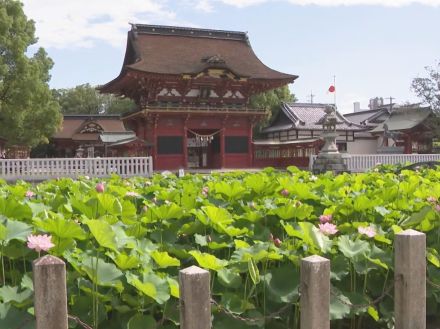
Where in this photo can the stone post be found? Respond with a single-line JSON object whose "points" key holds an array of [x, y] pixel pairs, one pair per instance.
{"points": [[315, 293], [195, 298], [410, 280], [50, 293]]}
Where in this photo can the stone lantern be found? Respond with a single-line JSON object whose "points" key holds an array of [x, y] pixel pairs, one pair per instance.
{"points": [[329, 158]]}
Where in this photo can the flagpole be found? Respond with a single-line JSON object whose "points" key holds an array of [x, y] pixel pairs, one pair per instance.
{"points": [[334, 84]]}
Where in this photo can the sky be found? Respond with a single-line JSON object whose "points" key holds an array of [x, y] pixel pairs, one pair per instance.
{"points": [[372, 48]]}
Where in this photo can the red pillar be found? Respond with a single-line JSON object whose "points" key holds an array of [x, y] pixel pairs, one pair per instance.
{"points": [[222, 146], [185, 146], [156, 119], [250, 145], [408, 144]]}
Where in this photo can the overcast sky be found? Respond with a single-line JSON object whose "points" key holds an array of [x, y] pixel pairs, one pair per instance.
{"points": [[373, 47]]}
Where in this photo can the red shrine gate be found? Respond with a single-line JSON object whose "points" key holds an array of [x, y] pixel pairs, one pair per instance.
{"points": [[192, 88]]}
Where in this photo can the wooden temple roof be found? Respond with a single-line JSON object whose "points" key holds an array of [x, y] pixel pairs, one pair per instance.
{"points": [[187, 52]]}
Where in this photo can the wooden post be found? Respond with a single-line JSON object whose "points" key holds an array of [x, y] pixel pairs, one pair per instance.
{"points": [[315, 293], [410, 280], [195, 298], [50, 293]]}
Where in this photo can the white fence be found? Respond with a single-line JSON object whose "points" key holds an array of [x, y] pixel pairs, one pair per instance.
{"points": [[363, 162], [41, 169]]}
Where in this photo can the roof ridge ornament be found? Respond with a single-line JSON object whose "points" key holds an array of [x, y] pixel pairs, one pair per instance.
{"points": [[214, 59]]}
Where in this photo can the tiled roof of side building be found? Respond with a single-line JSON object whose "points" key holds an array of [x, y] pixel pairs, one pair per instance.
{"points": [[172, 50], [72, 125], [307, 116]]}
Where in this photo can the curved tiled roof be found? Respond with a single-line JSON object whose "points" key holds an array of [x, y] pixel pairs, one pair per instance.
{"points": [[189, 51], [306, 116]]}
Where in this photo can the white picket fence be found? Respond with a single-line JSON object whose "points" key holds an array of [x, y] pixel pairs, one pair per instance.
{"points": [[41, 169], [364, 162]]}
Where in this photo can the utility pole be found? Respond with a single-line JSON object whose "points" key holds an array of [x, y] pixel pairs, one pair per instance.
{"points": [[391, 102], [311, 97]]}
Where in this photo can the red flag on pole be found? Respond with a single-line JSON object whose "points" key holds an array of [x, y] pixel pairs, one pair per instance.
{"points": [[331, 89]]}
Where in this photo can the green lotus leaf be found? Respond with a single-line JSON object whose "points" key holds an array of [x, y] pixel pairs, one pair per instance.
{"points": [[126, 262], [174, 287], [106, 203], [372, 311], [102, 273], [103, 233], [282, 284], [140, 321], [353, 249], [14, 318], [254, 273], [167, 212], [151, 285], [208, 261], [433, 257], [339, 268], [62, 228], [291, 211], [163, 259], [229, 278], [13, 209], [14, 230], [11, 294], [232, 190], [339, 306]]}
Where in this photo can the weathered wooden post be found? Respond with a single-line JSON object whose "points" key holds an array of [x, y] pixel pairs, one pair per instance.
{"points": [[410, 280], [50, 293], [195, 298], [315, 293]]}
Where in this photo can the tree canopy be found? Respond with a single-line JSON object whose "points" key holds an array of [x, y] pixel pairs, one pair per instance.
{"points": [[29, 114], [85, 99], [428, 88], [271, 101]]}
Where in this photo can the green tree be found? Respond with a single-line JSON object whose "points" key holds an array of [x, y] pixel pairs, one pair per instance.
{"points": [[428, 88], [85, 99], [29, 114], [270, 101]]}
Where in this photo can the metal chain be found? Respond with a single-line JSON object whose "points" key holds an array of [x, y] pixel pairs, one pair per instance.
{"points": [[373, 302], [79, 321], [252, 320]]}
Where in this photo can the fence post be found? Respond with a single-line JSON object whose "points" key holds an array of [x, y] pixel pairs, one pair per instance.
{"points": [[315, 293], [195, 298], [50, 300], [410, 280]]}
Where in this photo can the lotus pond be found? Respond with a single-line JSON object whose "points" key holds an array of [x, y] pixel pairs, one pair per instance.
{"points": [[124, 241]]}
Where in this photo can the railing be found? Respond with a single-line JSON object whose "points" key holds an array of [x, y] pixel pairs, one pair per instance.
{"points": [[363, 162], [41, 169], [50, 297]]}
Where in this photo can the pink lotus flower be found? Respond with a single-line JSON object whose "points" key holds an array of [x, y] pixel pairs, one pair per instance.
{"points": [[277, 242], [132, 194], [437, 207], [39, 242], [100, 187], [205, 191], [431, 199], [369, 231], [328, 228], [325, 218], [29, 194], [284, 192]]}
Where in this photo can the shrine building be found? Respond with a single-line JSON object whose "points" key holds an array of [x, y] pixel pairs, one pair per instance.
{"points": [[192, 89]]}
